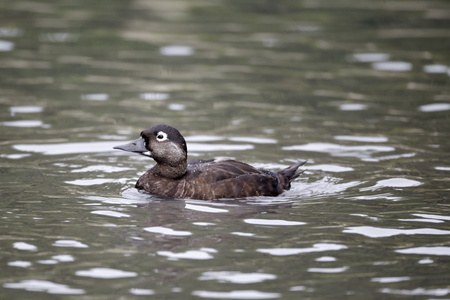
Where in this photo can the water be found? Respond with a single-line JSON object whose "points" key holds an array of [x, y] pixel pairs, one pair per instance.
{"points": [[360, 89]]}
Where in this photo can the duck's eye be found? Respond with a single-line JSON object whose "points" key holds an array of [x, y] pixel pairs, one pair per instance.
{"points": [[161, 136]]}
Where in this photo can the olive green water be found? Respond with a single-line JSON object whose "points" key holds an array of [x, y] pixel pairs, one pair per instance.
{"points": [[358, 88]]}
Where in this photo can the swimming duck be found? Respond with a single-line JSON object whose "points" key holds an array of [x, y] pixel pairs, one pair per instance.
{"points": [[176, 177]]}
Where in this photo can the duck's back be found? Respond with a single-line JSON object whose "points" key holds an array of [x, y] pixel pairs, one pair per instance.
{"points": [[209, 179]]}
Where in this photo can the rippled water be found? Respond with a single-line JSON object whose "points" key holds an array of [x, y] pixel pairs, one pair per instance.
{"points": [[358, 88]]}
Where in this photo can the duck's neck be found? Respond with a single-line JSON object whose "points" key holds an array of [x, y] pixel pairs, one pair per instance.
{"points": [[170, 171]]}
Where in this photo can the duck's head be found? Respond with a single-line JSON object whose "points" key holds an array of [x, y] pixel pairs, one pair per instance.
{"points": [[164, 144]]}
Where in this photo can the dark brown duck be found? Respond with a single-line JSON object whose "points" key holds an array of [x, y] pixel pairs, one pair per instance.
{"points": [[174, 176]]}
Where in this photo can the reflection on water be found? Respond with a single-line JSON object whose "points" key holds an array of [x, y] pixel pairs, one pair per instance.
{"points": [[245, 294], [25, 109], [375, 232], [345, 85], [293, 251], [6, 46], [44, 286], [176, 50], [395, 66], [105, 273]]}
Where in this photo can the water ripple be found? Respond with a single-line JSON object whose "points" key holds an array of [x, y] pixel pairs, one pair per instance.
{"points": [[167, 231], [328, 270], [201, 254], [319, 247], [377, 232], [34, 285], [69, 243], [432, 250], [417, 292], [236, 277], [24, 246], [247, 294], [273, 222], [110, 213], [393, 182], [105, 273], [341, 150]]}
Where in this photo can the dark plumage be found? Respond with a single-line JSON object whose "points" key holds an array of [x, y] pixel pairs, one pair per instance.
{"points": [[174, 176]]}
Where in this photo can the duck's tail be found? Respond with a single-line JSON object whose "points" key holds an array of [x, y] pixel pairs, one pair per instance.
{"points": [[286, 176]]}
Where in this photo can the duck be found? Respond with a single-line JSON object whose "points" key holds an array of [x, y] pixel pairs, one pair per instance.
{"points": [[174, 176]]}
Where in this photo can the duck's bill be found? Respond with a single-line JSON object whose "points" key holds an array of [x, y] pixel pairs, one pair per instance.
{"points": [[136, 146]]}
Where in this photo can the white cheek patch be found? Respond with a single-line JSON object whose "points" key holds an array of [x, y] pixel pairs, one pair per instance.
{"points": [[148, 153]]}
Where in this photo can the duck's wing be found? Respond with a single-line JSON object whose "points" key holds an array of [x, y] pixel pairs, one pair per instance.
{"points": [[212, 171], [228, 179]]}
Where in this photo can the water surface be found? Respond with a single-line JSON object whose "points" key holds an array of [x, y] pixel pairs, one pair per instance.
{"points": [[358, 88]]}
